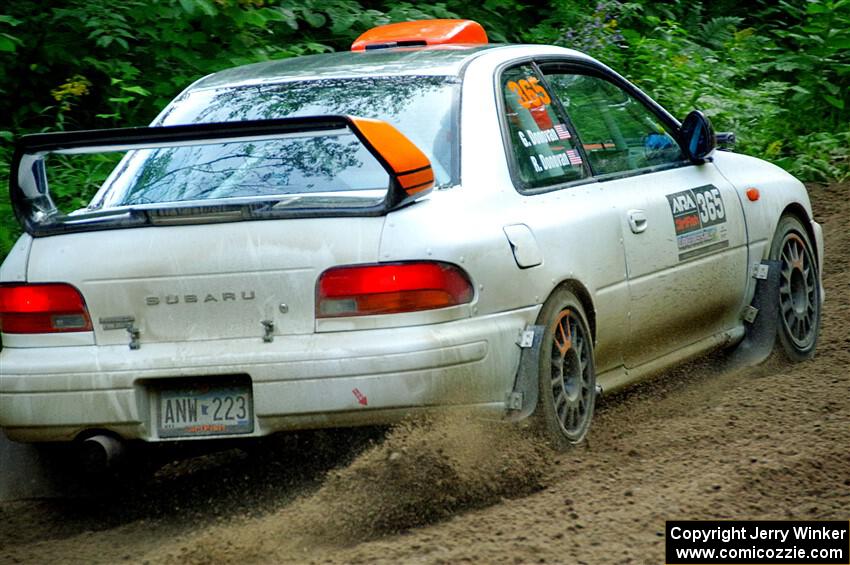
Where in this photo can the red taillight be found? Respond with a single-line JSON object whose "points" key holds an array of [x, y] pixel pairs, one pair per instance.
{"points": [[390, 288], [42, 308]]}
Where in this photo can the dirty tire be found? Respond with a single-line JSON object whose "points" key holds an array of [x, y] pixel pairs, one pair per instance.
{"points": [[567, 374], [799, 290]]}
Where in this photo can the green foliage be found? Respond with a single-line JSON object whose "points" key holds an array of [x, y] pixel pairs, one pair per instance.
{"points": [[822, 156], [8, 42], [76, 178], [778, 74], [682, 74], [816, 52]]}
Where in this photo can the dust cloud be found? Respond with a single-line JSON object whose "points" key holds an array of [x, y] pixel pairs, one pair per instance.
{"points": [[424, 471]]}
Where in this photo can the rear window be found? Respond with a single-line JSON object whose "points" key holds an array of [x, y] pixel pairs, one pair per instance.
{"points": [[421, 107], [303, 165]]}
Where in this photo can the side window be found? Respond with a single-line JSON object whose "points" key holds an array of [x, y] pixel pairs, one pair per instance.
{"points": [[540, 138], [617, 131]]}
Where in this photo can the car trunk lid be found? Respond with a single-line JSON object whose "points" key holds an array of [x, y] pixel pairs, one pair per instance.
{"points": [[201, 282]]}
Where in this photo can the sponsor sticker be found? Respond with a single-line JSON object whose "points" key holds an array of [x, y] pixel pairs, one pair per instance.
{"points": [[699, 220]]}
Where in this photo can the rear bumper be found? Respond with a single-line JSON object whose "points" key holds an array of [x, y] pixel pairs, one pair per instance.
{"points": [[298, 382]]}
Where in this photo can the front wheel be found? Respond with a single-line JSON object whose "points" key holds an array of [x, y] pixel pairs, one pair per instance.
{"points": [[799, 290], [566, 376]]}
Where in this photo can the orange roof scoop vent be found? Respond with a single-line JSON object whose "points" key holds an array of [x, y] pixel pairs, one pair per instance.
{"points": [[420, 33]]}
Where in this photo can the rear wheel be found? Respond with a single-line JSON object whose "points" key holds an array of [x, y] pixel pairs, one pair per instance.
{"points": [[799, 290], [566, 377]]}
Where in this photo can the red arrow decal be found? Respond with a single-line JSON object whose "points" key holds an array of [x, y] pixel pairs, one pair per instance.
{"points": [[361, 398]]}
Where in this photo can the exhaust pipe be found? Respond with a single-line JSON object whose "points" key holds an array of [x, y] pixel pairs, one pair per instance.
{"points": [[100, 453]]}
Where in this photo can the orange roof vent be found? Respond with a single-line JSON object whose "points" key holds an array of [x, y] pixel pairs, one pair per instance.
{"points": [[420, 33]]}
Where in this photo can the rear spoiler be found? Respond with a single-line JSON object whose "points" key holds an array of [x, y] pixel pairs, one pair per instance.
{"points": [[410, 173]]}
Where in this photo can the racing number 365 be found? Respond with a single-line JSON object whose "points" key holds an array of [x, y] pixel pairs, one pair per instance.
{"points": [[530, 93], [710, 205]]}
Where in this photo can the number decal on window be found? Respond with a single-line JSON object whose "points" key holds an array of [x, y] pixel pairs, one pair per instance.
{"points": [[541, 92], [530, 92]]}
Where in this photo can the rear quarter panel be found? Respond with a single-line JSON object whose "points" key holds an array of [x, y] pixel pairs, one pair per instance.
{"points": [[14, 267]]}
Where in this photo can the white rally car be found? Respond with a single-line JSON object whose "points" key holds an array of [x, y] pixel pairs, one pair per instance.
{"points": [[347, 239]]}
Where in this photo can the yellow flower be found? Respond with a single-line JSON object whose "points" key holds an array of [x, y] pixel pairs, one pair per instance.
{"points": [[75, 87]]}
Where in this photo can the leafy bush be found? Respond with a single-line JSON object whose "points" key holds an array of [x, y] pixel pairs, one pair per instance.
{"points": [[82, 64], [755, 70]]}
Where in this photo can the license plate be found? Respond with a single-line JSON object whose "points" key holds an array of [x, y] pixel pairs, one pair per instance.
{"points": [[205, 410]]}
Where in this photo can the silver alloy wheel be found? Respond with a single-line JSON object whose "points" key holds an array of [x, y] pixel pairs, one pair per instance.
{"points": [[571, 377], [798, 292]]}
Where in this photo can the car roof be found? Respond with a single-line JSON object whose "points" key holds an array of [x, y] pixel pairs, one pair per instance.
{"points": [[438, 60]]}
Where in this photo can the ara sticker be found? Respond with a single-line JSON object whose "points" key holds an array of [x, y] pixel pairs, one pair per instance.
{"points": [[699, 219]]}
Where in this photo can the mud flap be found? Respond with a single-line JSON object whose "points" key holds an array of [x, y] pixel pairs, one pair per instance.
{"points": [[760, 336], [522, 399]]}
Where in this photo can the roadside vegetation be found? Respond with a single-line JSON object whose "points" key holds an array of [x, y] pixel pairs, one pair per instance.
{"points": [[775, 73]]}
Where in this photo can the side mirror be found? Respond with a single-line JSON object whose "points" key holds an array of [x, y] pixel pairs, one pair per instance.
{"points": [[698, 137]]}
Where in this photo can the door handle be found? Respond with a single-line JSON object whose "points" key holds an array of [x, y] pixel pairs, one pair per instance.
{"points": [[637, 220]]}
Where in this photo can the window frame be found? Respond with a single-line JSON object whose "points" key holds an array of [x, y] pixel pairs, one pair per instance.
{"points": [[544, 64], [507, 141], [650, 105]]}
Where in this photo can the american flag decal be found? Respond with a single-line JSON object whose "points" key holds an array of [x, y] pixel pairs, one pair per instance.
{"points": [[574, 157], [562, 131]]}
